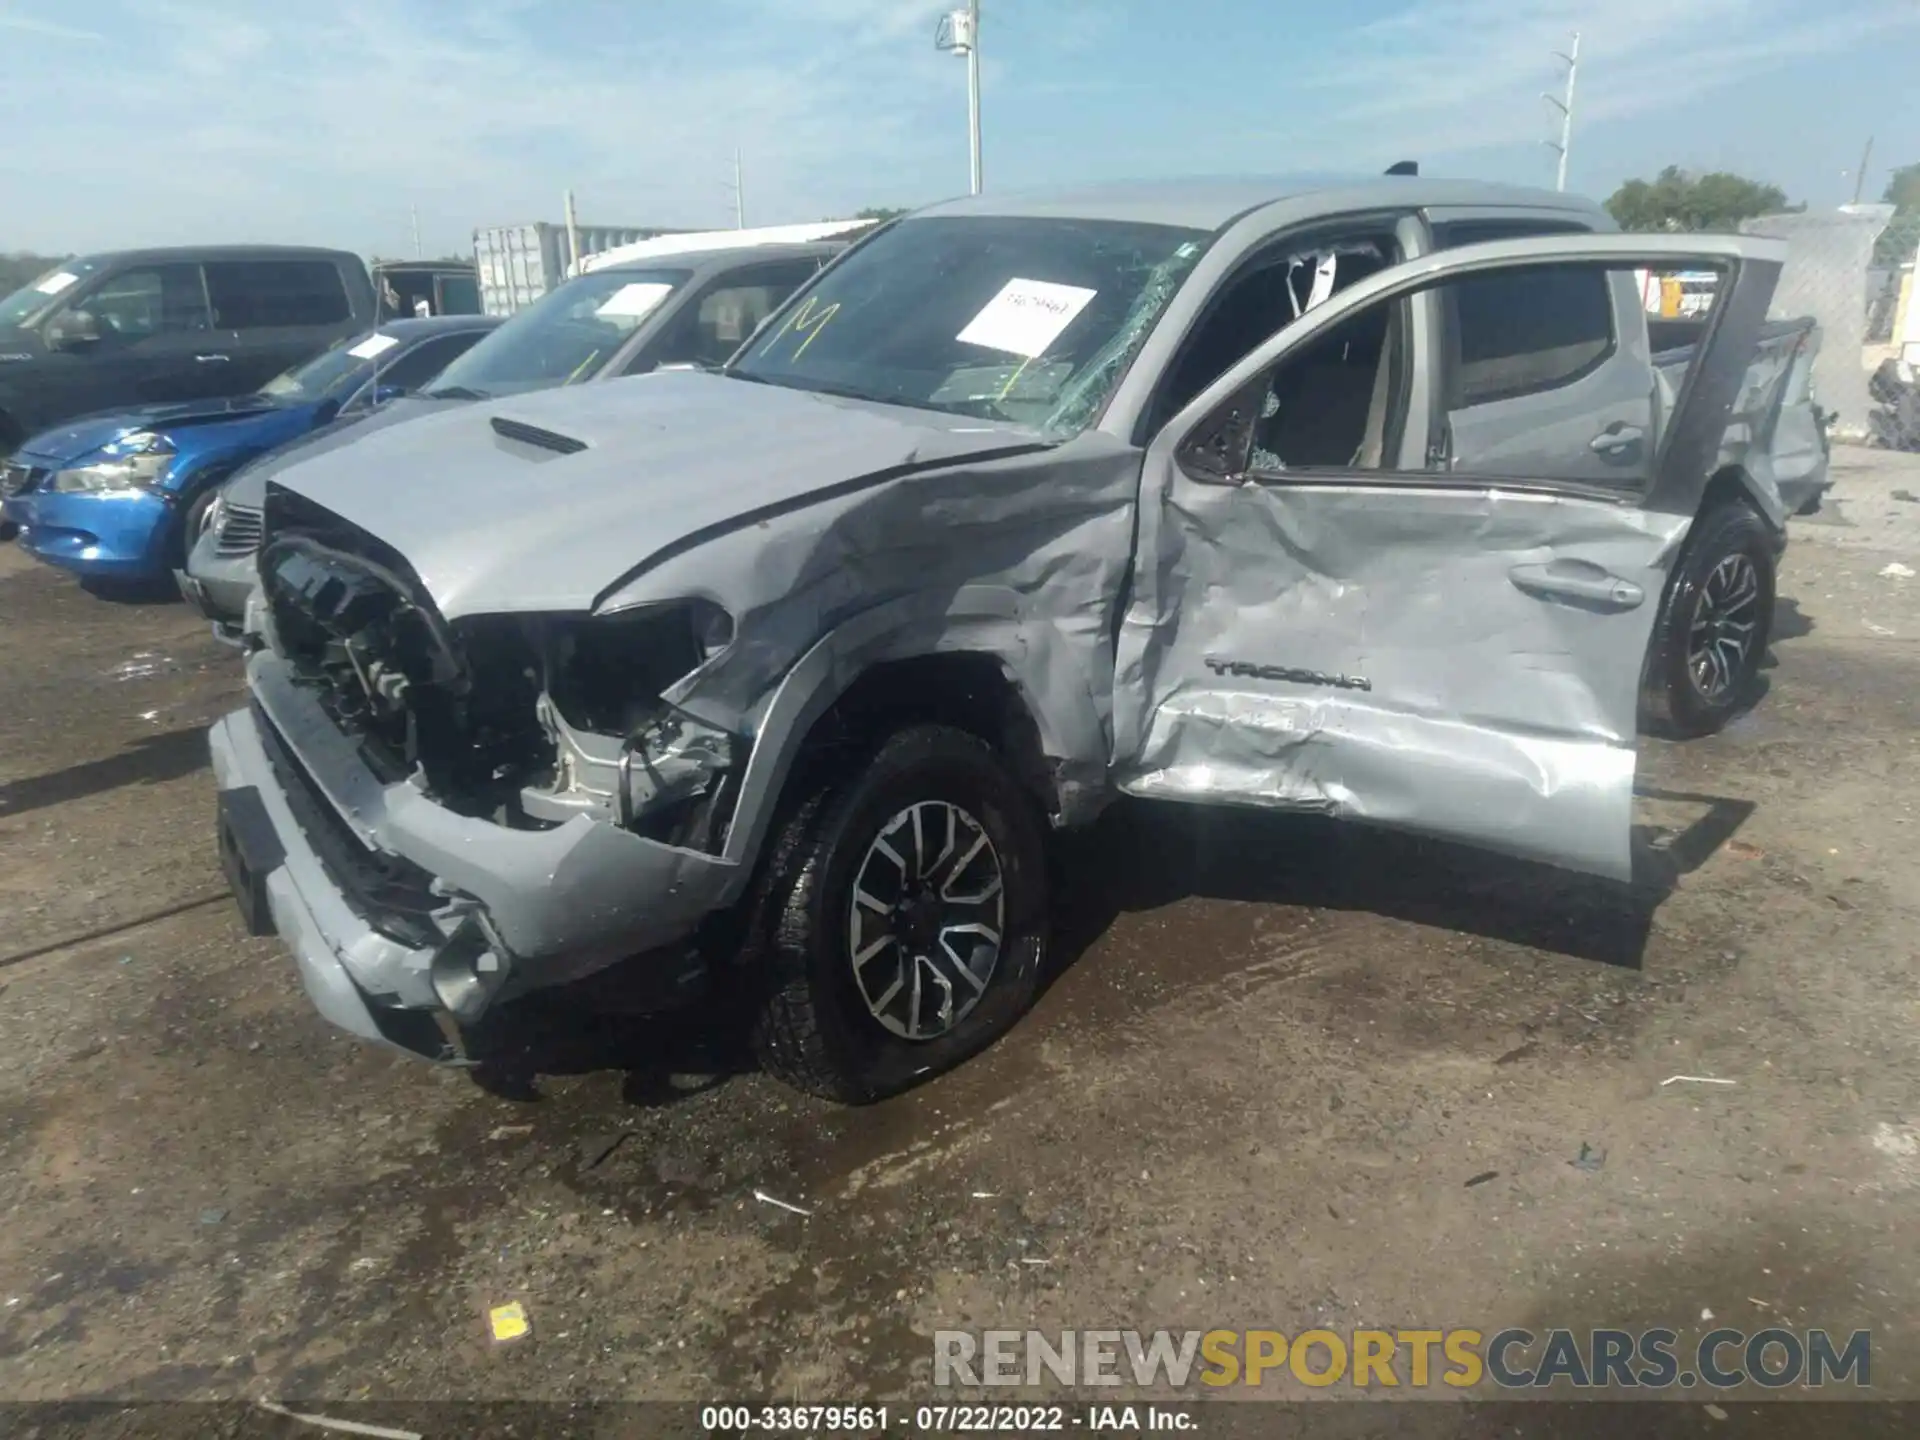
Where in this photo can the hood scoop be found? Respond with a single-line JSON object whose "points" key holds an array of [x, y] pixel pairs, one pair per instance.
{"points": [[522, 433]]}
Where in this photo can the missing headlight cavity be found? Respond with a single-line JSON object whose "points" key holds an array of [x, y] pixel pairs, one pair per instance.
{"points": [[620, 751], [608, 673]]}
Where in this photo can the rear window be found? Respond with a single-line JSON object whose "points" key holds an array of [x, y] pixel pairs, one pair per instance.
{"points": [[1519, 332], [260, 294]]}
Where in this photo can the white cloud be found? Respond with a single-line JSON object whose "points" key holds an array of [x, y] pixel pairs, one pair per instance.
{"points": [[1463, 74], [50, 29], [233, 118]]}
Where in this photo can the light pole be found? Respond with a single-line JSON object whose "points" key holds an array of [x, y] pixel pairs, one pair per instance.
{"points": [[1565, 107], [959, 34]]}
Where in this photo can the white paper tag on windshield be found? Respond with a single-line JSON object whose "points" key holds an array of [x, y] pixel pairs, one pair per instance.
{"points": [[630, 302], [372, 347], [55, 283], [1026, 316]]}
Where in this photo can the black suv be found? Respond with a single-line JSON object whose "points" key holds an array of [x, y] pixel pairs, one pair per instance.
{"points": [[140, 326]]}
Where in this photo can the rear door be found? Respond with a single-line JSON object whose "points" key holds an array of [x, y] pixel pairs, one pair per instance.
{"points": [[280, 312], [1365, 588]]}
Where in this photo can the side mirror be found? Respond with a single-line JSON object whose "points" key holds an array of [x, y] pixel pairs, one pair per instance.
{"points": [[74, 330], [383, 393]]}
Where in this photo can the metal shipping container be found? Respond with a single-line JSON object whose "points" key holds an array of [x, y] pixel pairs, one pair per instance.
{"points": [[520, 263]]}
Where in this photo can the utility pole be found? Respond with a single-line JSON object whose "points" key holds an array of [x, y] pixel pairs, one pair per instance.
{"points": [[1860, 175], [416, 232], [573, 235], [739, 194], [973, 88], [959, 34], [1565, 107]]}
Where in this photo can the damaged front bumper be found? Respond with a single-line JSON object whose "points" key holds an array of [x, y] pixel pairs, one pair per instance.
{"points": [[410, 922]]}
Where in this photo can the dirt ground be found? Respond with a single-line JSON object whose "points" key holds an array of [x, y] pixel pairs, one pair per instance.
{"points": [[1273, 1059]]}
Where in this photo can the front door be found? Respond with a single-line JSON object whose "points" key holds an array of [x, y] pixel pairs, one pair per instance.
{"points": [[1401, 563], [155, 343]]}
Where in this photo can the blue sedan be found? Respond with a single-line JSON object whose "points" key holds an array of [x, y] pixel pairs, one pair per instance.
{"points": [[121, 496]]}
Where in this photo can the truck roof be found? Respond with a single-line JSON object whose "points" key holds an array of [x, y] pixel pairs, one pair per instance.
{"points": [[182, 253], [706, 260], [679, 244], [1211, 204]]}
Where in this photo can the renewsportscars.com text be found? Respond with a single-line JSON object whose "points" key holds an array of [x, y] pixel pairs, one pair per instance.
{"points": [[1457, 1359]]}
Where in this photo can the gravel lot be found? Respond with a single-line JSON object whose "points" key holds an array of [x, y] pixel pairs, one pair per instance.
{"points": [[1273, 1058]]}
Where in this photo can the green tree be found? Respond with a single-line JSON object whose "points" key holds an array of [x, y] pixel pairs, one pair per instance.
{"points": [[1898, 241], [1678, 200], [20, 267]]}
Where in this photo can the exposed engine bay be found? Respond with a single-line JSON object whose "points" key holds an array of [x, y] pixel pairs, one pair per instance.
{"points": [[523, 720]]}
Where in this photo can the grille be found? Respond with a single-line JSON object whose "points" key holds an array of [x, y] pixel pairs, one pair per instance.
{"points": [[17, 479], [240, 529]]}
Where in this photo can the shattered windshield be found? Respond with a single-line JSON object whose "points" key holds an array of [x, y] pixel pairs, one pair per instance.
{"points": [[1005, 318], [561, 339], [33, 300]]}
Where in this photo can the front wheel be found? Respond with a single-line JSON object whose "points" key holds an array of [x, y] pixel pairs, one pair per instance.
{"points": [[903, 919], [1714, 624]]}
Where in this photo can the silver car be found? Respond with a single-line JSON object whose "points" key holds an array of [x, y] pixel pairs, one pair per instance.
{"points": [[1357, 498]]}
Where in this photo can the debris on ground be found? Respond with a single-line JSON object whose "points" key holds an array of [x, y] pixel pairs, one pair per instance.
{"points": [[766, 1199], [1519, 1052], [143, 666], [1696, 1080], [1716, 1412], [1741, 850], [1897, 571], [1482, 1178], [1908, 496], [1589, 1158], [1876, 629], [212, 1216], [597, 1148], [504, 1132], [349, 1427], [509, 1321]]}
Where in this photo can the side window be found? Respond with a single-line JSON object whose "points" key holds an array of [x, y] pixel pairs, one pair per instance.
{"points": [[152, 300], [725, 316], [1518, 332], [1531, 386], [264, 294], [426, 360], [1269, 295]]}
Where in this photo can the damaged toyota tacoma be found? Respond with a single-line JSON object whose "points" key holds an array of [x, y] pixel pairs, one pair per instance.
{"points": [[1365, 498]]}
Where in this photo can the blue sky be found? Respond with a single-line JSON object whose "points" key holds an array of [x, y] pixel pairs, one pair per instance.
{"points": [[172, 121]]}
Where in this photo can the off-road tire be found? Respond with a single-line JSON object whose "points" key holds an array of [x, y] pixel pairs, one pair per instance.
{"points": [[1674, 702], [812, 1028]]}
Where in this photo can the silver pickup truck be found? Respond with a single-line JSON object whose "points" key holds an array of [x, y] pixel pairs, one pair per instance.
{"points": [[1360, 498]]}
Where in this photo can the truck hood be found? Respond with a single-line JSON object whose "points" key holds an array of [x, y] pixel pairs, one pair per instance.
{"points": [[76, 439], [544, 501], [249, 485]]}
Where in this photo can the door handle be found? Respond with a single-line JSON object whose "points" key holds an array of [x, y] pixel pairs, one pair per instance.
{"points": [[1615, 438], [212, 359], [1588, 585]]}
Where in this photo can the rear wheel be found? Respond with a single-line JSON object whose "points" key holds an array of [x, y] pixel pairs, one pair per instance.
{"points": [[902, 919], [1714, 624]]}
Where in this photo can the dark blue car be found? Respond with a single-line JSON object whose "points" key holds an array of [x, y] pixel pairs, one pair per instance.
{"points": [[121, 496]]}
